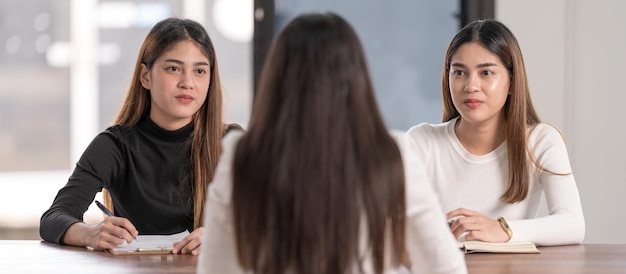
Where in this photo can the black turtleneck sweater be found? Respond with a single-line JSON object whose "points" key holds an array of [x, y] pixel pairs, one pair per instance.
{"points": [[146, 169]]}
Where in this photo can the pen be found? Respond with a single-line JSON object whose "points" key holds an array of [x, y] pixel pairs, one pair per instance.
{"points": [[107, 212], [450, 223]]}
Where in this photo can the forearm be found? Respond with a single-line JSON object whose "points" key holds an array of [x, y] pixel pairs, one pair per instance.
{"points": [[565, 223], [54, 224], [77, 234], [557, 229]]}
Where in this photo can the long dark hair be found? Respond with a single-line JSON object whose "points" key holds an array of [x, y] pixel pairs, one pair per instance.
{"points": [[207, 122], [317, 159]]}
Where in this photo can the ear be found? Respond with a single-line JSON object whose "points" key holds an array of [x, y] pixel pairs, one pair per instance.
{"points": [[144, 76]]}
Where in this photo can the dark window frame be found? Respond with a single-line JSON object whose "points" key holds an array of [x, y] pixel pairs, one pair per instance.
{"points": [[472, 10], [264, 18]]}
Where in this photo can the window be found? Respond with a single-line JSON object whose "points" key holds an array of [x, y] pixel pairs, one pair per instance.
{"points": [[34, 98]]}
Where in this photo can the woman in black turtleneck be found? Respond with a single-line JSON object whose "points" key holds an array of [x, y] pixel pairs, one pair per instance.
{"points": [[156, 161]]}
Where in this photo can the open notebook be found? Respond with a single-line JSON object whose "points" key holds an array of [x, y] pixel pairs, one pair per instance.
{"points": [[508, 247], [149, 244]]}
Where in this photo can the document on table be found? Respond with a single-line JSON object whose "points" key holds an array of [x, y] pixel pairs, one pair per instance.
{"points": [[150, 244], [508, 247]]}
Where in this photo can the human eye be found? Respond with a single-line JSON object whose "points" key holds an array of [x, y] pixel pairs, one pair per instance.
{"points": [[201, 71], [457, 72], [172, 69], [487, 72]]}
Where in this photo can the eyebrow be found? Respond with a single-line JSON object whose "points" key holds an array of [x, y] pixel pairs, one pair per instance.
{"points": [[483, 65], [182, 63]]}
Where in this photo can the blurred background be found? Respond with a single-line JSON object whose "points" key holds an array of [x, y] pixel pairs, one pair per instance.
{"points": [[65, 66]]}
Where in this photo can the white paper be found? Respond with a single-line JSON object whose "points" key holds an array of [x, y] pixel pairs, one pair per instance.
{"points": [[152, 243]]}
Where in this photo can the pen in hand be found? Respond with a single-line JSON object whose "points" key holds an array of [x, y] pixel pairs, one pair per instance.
{"points": [[107, 212]]}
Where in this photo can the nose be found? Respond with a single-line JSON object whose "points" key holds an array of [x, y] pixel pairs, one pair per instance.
{"points": [[472, 83], [186, 81]]}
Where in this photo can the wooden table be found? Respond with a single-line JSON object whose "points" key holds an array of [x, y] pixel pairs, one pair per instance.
{"points": [[571, 259], [43, 257]]}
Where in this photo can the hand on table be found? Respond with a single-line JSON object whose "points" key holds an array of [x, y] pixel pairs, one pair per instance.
{"points": [[190, 244], [108, 234], [476, 225]]}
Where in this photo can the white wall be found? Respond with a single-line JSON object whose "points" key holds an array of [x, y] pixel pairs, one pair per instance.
{"points": [[575, 55]]}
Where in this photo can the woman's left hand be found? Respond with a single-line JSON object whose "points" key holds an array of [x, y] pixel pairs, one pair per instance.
{"points": [[478, 226], [190, 244]]}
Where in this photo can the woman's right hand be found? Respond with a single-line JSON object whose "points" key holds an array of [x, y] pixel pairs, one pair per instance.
{"points": [[108, 234], [476, 226]]}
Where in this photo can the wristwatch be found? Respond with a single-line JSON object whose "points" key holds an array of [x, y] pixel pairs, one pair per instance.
{"points": [[506, 227]]}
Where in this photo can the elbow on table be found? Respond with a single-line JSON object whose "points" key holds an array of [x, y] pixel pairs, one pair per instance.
{"points": [[579, 231], [568, 231], [575, 233]]}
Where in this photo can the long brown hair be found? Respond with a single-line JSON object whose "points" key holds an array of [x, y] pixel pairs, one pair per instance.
{"points": [[518, 109], [208, 125], [317, 159]]}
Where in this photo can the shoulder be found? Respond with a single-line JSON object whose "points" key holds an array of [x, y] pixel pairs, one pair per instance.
{"points": [[427, 130], [119, 133], [544, 129], [543, 133], [116, 131], [425, 136], [402, 139], [232, 126], [230, 140], [114, 136], [398, 136], [404, 146], [548, 146], [229, 146], [220, 188]]}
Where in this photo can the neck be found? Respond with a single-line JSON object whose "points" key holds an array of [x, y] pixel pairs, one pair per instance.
{"points": [[480, 138], [170, 124]]}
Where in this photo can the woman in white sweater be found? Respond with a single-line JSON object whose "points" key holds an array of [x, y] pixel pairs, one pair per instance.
{"points": [[492, 159], [317, 184]]}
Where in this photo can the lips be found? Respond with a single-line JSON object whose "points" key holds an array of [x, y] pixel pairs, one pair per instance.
{"points": [[184, 98], [472, 103]]}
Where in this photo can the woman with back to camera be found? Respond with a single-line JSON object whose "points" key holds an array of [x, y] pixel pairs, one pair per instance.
{"points": [[492, 159], [318, 184], [158, 158]]}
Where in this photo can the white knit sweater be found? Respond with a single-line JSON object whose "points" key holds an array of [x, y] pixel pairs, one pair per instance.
{"points": [[477, 182]]}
